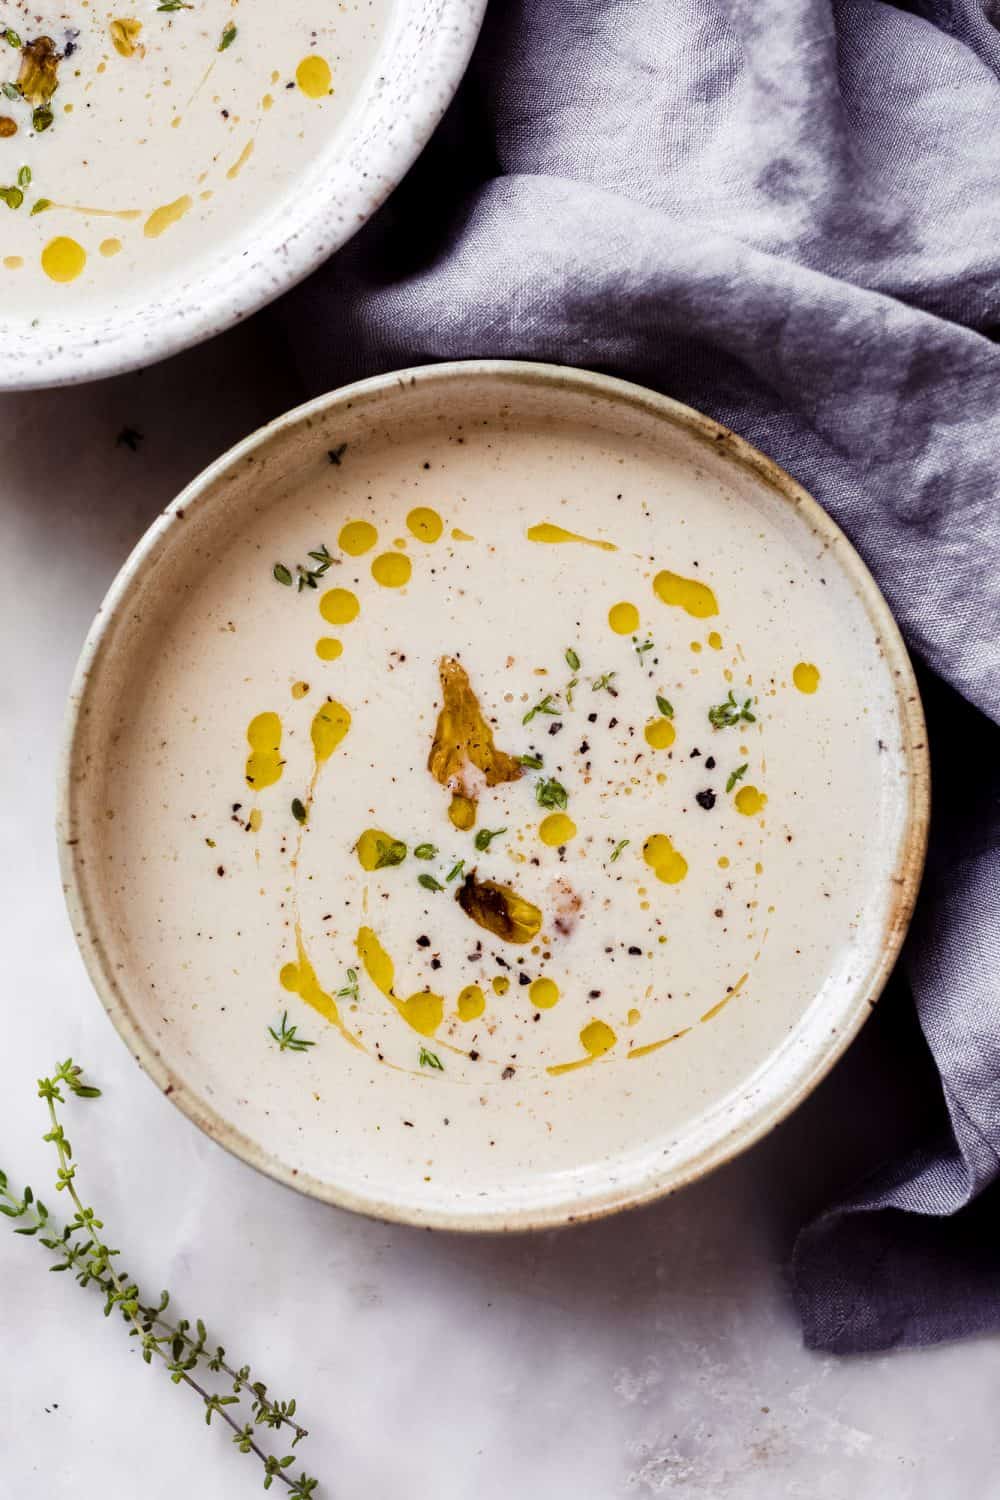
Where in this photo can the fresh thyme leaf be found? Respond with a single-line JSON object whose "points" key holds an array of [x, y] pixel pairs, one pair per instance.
{"points": [[737, 775], [485, 837], [40, 205], [425, 851], [279, 570], [286, 1037], [622, 844], [568, 690], [605, 683], [551, 793], [24, 177], [179, 1346], [429, 883], [455, 870], [169, 5], [350, 989], [41, 118], [12, 196], [543, 706], [391, 853], [572, 660], [12, 38], [665, 706], [228, 36], [530, 762], [724, 715], [430, 1060], [10, 90], [299, 810], [641, 647]]}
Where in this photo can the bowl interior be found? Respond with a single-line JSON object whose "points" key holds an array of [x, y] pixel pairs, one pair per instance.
{"points": [[183, 183], [726, 988]]}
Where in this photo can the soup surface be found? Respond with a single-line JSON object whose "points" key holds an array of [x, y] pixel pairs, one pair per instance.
{"points": [[135, 139], [542, 771]]}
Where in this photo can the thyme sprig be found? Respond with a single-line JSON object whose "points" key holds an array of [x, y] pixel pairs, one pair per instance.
{"points": [[724, 715], [605, 684], [287, 1039], [543, 706], [179, 1346], [307, 578]]}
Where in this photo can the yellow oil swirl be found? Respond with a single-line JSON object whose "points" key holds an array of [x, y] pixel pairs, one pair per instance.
{"points": [[545, 531], [462, 813], [749, 801], [375, 849], [730, 994], [110, 247], [264, 763], [357, 537], [300, 979], [543, 993], [425, 524], [423, 1011], [556, 829], [163, 218], [313, 76], [241, 161], [660, 734], [471, 1003], [458, 535], [339, 606], [328, 648], [329, 728], [392, 570], [596, 1039], [715, 640], [501, 984], [806, 677], [623, 618], [688, 594], [63, 259], [668, 864], [299, 689]]}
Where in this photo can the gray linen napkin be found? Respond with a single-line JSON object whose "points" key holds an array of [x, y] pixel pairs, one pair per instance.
{"points": [[786, 213]]}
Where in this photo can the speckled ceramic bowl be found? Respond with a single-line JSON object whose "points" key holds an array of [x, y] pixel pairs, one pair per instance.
{"points": [[573, 819], [166, 176]]}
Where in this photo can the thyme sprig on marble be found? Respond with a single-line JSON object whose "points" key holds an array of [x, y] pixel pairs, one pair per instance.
{"points": [[179, 1346]]}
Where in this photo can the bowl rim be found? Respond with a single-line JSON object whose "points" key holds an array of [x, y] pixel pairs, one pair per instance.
{"points": [[816, 1060], [314, 227]]}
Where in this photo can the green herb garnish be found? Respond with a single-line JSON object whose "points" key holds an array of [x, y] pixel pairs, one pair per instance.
{"points": [[622, 843], [286, 1038], [726, 714], [568, 690], [604, 684], [737, 775], [12, 39], [24, 177], [425, 851], [299, 810], [350, 990], [530, 762], [572, 660], [180, 1347], [551, 793], [485, 837], [641, 647], [430, 1060], [40, 205], [12, 196], [169, 5], [665, 706], [455, 871], [10, 90], [280, 572], [228, 36], [308, 578], [544, 706], [429, 883], [391, 853], [41, 118]]}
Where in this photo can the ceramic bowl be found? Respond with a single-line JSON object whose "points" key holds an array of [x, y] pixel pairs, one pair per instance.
{"points": [[189, 167], [740, 745]]}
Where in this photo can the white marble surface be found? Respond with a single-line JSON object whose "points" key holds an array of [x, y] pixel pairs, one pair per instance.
{"points": [[649, 1355]]}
